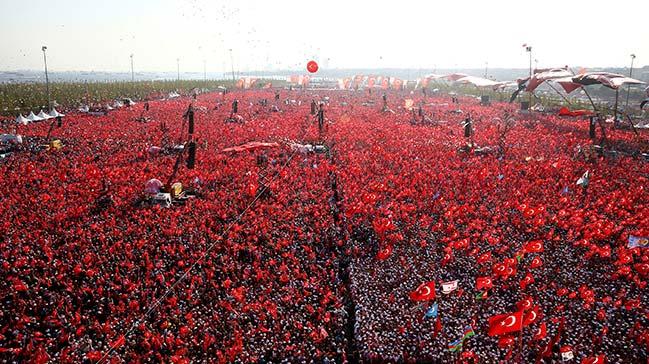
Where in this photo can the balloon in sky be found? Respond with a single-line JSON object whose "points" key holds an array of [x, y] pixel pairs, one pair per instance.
{"points": [[312, 66]]}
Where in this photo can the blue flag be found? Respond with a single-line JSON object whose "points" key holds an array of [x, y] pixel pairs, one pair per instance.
{"points": [[432, 311], [638, 242]]}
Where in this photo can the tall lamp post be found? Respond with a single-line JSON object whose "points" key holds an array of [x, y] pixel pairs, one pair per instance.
{"points": [[47, 80], [204, 70], [628, 87], [232, 64], [528, 49], [486, 68], [132, 73], [178, 68]]}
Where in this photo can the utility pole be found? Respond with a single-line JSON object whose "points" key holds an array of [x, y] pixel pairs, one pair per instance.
{"points": [[204, 70], [529, 50], [47, 80], [178, 67], [628, 87], [132, 73], [232, 65]]}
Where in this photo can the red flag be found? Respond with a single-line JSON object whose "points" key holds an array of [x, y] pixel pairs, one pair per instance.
{"points": [[438, 326], [384, 253], [531, 316], [483, 283], [505, 342], [541, 332], [536, 263], [535, 246], [642, 268], [425, 292], [529, 279], [525, 304], [484, 258], [599, 359], [500, 269], [503, 324]]}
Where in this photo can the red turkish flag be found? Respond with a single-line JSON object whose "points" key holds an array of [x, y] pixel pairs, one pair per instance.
{"points": [[505, 342], [529, 279], [531, 316], [384, 253], [525, 304], [541, 332], [503, 324], [535, 246], [483, 283], [425, 292], [536, 263], [484, 258], [599, 359]]}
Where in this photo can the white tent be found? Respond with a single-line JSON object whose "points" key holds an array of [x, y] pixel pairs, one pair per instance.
{"points": [[33, 117], [44, 115], [20, 119], [55, 113], [477, 81]]}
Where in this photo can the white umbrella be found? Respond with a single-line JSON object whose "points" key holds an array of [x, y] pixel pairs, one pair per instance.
{"points": [[44, 115], [33, 117]]}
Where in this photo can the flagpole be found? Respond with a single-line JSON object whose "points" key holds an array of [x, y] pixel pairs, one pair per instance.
{"points": [[520, 341]]}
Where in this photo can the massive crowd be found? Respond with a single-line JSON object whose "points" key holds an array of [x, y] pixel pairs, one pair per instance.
{"points": [[295, 256]]}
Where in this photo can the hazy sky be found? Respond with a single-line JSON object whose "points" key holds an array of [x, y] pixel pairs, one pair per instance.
{"points": [[100, 35]]}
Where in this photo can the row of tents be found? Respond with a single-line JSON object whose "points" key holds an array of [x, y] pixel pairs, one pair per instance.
{"points": [[42, 115]]}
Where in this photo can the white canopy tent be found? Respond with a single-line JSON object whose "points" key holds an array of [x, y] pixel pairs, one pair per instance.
{"points": [[32, 117], [44, 115], [55, 113], [20, 119], [477, 81]]}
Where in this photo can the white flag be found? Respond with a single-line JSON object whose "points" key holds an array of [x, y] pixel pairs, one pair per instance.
{"points": [[567, 356], [448, 287], [583, 181]]}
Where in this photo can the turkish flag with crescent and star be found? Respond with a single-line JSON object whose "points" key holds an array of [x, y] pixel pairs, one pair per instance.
{"points": [[425, 292], [506, 323]]}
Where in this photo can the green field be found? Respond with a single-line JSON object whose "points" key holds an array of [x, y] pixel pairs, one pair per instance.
{"points": [[26, 97]]}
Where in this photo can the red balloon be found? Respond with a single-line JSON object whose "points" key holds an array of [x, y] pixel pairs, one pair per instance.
{"points": [[312, 66]]}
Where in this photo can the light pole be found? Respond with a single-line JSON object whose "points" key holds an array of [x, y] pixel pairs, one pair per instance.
{"points": [[47, 80], [529, 50], [628, 87], [132, 73], [178, 67], [232, 64], [486, 67], [204, 70]]}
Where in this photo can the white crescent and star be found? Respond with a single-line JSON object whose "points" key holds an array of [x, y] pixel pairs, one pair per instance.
{"points": [[422, 288], [533, 317], [513, 318]]}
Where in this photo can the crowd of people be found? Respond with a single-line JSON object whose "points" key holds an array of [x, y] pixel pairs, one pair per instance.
{"points": [[288, 255]]}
